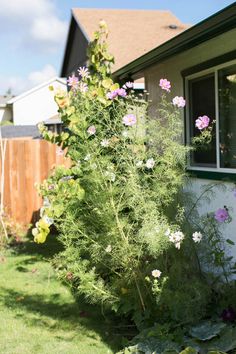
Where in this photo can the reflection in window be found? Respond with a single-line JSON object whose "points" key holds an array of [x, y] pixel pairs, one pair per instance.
{"points": [[202, 102], [227, 116]]}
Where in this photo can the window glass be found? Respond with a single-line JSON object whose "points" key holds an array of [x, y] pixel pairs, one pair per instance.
{"points": [[227, 116], [202, 102]]}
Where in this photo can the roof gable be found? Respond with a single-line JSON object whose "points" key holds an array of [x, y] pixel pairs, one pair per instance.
{"points": [[132, 33], [46, 83]]}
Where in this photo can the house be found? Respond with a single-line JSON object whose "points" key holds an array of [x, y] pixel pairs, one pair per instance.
{"points": [[200, 63], [131, 34], [35, 105], [5, 110]]}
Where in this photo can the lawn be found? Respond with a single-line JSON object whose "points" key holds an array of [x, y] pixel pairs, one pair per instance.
{"points": [[39, 315]]}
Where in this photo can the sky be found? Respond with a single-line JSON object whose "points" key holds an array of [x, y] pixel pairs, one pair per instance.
{"points": [[33, 33]]}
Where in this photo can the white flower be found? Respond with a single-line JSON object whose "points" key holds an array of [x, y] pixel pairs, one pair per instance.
{"points": [[78, 163], [83, 87], [156, 273], [87, 157], [105, 143], [150, 163], [176, 238], [197, 237], [108, 249], [177, 245], [83, 71], [139, 163]]}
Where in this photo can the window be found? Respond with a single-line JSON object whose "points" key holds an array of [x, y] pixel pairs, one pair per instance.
{"points": [[212, 92]]}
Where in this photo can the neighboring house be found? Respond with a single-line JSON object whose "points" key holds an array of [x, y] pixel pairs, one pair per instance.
{"points": [[201, 65], [36, 105], [131, 34], [5, 110]]}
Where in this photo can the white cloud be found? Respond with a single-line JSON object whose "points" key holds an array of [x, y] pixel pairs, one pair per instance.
{"points": [[48, 30], [36, 21], [18, 84]]}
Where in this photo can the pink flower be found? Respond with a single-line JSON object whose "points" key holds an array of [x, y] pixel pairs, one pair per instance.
{"points": [[121, 92], [221, 215], [202, 122], [165, 85], [73, 81], [91, 130], [129, 120], [118, 92], [178, 101]]}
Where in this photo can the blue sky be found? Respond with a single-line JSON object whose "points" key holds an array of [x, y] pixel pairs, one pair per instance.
{"points": [[33, 33]]}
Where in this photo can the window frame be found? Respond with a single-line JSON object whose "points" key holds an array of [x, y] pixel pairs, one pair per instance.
{"points": [[198, 74]]}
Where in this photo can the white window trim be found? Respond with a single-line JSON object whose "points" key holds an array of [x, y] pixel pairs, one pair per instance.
{"points": [[213, 70]]}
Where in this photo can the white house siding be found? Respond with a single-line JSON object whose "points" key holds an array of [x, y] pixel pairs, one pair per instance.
{"points": [[171, 69], [5, 114], [37, 106]]}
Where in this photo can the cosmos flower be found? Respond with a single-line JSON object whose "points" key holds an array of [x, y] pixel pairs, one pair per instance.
{"points": [[129, 120], [202, 122], [91, 130], [221, 215], [179, 101], [165, 85], [105, 143], [176, 238], [156, 273], [83, 72], [73, 81], [83, 87], [150, 163], [197, 237]]}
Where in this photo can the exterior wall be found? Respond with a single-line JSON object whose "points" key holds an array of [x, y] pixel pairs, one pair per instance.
{"points": [[5, 114], [171, 69], [37, 106]]}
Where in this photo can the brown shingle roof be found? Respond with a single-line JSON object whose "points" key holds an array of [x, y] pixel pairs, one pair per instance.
{"points": [[132, 32]]}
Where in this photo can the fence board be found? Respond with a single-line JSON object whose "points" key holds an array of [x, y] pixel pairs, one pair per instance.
{"points": [[27, 162]]}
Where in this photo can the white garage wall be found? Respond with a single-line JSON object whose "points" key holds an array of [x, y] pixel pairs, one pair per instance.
{"points": [[36, 106]]}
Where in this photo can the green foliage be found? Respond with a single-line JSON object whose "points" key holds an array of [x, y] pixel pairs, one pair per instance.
{"points": [[205, 338], [120, 207]]}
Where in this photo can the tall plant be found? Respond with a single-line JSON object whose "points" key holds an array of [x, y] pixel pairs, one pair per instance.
{"points": [[119, 209]]}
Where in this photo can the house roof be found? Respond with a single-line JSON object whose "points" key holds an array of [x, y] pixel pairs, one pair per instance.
{"points": [[131, 32], [20, 131], [209, 28], [46, 83]]}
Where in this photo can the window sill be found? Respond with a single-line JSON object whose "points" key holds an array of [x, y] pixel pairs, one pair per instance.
{"points": [[218, 176]]}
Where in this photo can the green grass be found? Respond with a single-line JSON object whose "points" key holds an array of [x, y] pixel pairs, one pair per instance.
{"points": [[39, 315]]}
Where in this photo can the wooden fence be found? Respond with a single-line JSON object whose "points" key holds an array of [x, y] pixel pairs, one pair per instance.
{"points": [[27, 162]]}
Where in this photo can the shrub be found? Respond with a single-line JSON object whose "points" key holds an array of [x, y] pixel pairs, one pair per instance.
{"points": [[130, 241]]}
